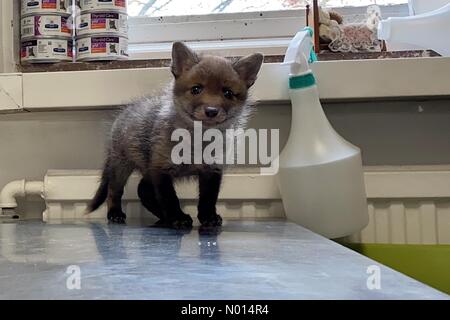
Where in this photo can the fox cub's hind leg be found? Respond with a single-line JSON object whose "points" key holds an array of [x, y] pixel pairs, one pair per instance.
{"points": [[117, 180], [171, 213], [114, 177], [146, 192]]}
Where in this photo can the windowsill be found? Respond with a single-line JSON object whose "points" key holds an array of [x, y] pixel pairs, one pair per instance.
{"points": [[337, 80], [161, 63], [110, 65]]}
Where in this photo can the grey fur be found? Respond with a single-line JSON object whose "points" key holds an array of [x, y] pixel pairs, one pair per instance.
{"points": [[141, 134], [141, 140]]}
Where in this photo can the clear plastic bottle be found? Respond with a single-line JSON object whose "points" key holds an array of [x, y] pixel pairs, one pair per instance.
{"points": [[320, 177]]}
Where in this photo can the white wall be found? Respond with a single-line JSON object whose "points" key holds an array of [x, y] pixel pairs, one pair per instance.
{"points": [[396, 132], [389, 133]]}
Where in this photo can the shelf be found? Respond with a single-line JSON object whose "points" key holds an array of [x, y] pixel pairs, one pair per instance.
{"points": [[337, 80]]}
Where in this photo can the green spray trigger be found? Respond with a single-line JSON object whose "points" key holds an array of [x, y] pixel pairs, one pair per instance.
{"points": [[312, 55]]}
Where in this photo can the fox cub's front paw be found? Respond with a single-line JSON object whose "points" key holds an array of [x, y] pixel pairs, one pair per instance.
{"points": [[116, 216], [182, 221], [213, 220]]}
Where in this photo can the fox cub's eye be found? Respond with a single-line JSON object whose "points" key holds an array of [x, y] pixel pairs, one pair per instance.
{"points": [[195, 90], [228, 93]]}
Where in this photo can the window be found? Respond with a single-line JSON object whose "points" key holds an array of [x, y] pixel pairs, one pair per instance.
{"points": [[158, 8], [177, 8], [7, 36], [232, 27]]}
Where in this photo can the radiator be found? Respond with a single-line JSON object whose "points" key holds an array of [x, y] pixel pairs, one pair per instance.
{"points": [[407, 205]]}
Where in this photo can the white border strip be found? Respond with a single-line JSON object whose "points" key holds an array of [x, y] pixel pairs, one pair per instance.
{"points": [[11, 93]]}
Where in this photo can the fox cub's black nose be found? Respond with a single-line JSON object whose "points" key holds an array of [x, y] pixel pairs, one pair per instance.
{"points": [[211, 112]]}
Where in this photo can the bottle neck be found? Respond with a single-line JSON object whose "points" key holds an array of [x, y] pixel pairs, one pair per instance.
{"points": [[308, 117], [305, 96], [302, 81]]}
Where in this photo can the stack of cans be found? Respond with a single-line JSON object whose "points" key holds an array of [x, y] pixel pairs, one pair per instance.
{"points": [[46, 31], [102, 30], [49, 29]]}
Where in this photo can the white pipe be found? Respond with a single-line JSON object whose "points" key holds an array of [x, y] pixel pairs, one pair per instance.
{"points": [[19, 188]]}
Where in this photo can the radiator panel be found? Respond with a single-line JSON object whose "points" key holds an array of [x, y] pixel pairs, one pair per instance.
{"points": [[406, 206]]}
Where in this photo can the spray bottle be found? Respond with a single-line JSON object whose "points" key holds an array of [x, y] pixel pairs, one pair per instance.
{"points": [[320, 177]]}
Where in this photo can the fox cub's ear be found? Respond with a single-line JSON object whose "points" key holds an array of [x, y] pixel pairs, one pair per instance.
{"points": [[248, 68], [183, 59]]}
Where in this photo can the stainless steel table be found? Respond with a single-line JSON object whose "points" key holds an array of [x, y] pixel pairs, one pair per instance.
{"points": [[242, 260]]}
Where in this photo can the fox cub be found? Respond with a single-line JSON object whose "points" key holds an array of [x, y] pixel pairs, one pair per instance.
{"points": [[208, 89]]}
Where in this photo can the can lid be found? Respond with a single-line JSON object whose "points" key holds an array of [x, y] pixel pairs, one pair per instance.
{"points": [[34, 14], [101, 35], [45, 37], [103, 11]]}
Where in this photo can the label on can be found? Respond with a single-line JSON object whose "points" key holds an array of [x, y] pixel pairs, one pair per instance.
{"points": [[46, 50], [42, 6], [103, 4], [49, 4], [102, 48], [45, 25], [103, 22]]}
